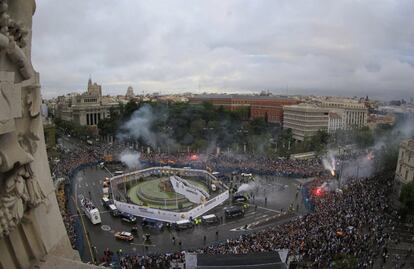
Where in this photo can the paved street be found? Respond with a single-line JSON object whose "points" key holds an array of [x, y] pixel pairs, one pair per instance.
{"points": [[273, 194]]}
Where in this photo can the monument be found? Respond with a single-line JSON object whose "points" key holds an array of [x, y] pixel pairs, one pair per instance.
{"points": [[32, 234]]}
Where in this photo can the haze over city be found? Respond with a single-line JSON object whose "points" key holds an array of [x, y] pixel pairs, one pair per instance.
{"points": [[287, 47]]}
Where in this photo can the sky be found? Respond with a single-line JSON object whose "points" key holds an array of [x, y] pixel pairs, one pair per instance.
{"points": [[282, 46]]}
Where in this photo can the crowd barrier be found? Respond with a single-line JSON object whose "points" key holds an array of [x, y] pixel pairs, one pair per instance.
{"points": [[239, 171]]}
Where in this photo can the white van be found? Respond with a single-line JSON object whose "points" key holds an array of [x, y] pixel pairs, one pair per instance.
{"points": [[183, 224], [210, 219]]}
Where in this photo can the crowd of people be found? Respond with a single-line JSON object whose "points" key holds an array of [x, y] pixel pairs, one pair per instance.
{"points": [[352, 222], [349, 223]]}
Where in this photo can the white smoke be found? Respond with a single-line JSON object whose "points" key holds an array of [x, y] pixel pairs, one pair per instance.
{"points": [[131, 159], [247, 187], [329, 162], [140, 125]]}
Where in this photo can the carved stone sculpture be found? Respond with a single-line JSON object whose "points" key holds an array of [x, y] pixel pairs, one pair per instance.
{"points": [[30, 223]]}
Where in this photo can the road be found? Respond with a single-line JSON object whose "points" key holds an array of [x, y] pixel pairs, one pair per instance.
{"points": [[279, 193]]}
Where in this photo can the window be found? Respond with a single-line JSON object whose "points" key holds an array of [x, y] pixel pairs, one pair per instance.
{"points": [[406, 175]]}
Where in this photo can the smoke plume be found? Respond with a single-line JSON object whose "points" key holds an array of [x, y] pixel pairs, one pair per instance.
{"points": [[131, 159]]}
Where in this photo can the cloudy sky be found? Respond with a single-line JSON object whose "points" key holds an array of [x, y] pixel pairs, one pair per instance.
{"points": [[308, 47]]}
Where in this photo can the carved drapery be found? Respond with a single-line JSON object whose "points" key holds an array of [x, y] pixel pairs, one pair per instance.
{"points": [[19, 117]]}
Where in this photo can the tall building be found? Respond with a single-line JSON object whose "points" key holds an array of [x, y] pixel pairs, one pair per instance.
{"points": [[130, 93], [405, 165], [86, 109], [353, 113], [336, 121], [268, 107], [305, 120]]}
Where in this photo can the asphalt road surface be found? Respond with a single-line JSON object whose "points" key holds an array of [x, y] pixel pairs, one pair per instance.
{"points": [[272, 194]]}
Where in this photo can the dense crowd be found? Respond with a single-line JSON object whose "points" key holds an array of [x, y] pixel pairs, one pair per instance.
{"points": [[350, 222]]}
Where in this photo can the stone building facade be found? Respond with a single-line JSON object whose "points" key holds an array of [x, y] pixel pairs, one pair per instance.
{"points": [[404, 173], [305, 120], [268, 107], [353, 114], [86, 109]]}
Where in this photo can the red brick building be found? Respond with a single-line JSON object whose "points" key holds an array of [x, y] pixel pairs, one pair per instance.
{"points": [[259, 106]]}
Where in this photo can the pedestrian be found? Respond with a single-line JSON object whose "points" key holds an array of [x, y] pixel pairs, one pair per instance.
{"points": [[173, 240], [204, 239]]}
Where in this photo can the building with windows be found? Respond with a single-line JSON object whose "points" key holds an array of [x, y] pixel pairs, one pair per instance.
{"points": [[305, 120], [267, 107], [405, 165], [354, 114], [86, 109], [336, 121]]}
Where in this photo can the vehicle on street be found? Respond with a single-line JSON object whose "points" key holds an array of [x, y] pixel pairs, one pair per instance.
{"points": [[128, 218], [106, 202], [233, 212], [152, 224], [126, 236], [113, 210], [90, 210], [240, 198], [106, 182], [210, 219], [183, 225]]}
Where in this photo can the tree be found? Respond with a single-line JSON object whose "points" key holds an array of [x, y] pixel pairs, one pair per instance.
{"points": [[364, 137]]}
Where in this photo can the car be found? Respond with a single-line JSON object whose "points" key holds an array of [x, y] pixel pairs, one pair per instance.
{"points": [[152, 224], [126, 236], [106, 182], [233, 212], [128, 218], [240, 198]]}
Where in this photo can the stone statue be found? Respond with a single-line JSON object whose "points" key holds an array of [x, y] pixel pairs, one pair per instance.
{"points": [[19, 115], [31, 227]]}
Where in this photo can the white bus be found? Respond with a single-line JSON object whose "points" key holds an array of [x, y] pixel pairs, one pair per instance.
{"points": [[90, 210]]}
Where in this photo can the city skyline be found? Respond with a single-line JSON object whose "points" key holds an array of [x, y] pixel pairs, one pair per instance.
{"points": [[286, 47]]}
